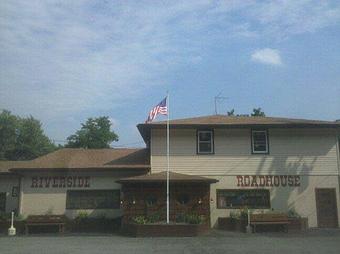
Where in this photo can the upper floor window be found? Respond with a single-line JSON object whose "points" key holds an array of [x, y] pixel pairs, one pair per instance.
{"points": [[259, 141], [205, 142]]}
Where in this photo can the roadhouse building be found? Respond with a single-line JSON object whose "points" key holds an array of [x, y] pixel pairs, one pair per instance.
{"points": [[218, 164]]}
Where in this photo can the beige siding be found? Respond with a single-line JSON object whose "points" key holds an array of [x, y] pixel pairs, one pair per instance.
{"points": [[37, 201], [301, 199], [292, 151]]}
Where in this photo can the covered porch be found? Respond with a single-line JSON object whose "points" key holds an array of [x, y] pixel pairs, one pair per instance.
{"points": [[145, 197]]}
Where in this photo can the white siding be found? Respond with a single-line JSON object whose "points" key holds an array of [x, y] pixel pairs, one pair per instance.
{"points": [[291, 151]]}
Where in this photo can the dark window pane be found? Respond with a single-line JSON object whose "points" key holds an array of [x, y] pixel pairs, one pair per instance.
{"points": [[204, 136], [93, 199], [183, 199], [259, 141], [241, 198], [151, 200], [205, 147], [2, 201]]}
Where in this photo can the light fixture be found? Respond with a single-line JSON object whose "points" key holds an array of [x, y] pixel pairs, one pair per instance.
{"points": [[199, 201]]}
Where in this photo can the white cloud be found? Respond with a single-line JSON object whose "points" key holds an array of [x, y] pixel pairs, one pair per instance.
{"points": [[267, 56], [59, 59]]}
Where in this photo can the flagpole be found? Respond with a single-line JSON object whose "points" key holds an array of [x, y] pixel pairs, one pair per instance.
{"points": [[168, 162]]}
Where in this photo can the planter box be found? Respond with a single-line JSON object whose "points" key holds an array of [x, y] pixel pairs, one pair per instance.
{"points": [[155, 230], [298, 224], [231, 224], [92, 225]]}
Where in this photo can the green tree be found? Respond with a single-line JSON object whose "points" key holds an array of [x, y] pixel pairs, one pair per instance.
{"points": [[258, 112], [95, 133], [8, 133], [231, 112], [22, 138]]}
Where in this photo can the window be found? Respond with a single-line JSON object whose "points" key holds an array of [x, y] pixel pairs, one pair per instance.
{"points": [[205, 142], [240, 198], [259, 140], [2, 201], [151, 200], [183, 199], [93, 199]]}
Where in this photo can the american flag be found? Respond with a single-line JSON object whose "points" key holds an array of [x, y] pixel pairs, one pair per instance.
{"points": [[161, 108]]}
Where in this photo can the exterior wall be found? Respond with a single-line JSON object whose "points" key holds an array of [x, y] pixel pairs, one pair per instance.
{"points": [[310, 153], [291, 151], [301, 199], [7, 182], [38, 201]]}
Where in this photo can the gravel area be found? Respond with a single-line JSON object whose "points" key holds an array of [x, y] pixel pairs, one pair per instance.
{"points": [[316, 241]]}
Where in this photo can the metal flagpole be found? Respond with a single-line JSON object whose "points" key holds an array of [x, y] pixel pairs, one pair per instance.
{"points": [[168, 162]]}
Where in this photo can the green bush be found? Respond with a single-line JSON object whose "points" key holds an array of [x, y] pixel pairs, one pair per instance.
{"points": [[140, 219], [293, 214], [81, 216], [155, 217], [194, 219], [8, 216]]}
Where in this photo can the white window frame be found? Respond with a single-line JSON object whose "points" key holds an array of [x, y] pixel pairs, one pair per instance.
{"points": [[211, 141], [253, 143]]}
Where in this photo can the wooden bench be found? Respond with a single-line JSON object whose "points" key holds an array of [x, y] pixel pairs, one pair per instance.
{"points": [[269, 219], [46, 220]]}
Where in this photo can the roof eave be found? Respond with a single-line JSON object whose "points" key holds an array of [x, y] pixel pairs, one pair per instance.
{"points": [[145, 128], [146, 167]]}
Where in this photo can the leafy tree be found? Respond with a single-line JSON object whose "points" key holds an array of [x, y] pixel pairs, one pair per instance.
{"points": [[95, 133], [231, 112], [22, 138], [258, 112], [8, 133]]}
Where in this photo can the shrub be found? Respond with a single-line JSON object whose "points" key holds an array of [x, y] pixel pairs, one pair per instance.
{"points": [[140, 219], [81, 216], [180, 218], [194, 219], [241, 214], [155, 217], [8, 216], [293, 214]]}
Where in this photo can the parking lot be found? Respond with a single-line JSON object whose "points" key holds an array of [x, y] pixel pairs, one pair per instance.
{"points": [[317, 241]]}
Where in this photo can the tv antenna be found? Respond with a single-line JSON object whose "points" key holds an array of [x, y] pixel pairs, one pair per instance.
{"points": [[217, 99]]}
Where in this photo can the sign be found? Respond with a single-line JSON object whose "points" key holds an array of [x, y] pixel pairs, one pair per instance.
{"points": [[268, 180], [60, 182]]}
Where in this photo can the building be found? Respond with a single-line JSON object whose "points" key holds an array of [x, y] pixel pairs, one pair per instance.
{"points": [[218, 164]]}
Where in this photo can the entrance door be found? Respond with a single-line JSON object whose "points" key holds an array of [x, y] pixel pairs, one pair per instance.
{"points": [[326, 209], [2, 201]]}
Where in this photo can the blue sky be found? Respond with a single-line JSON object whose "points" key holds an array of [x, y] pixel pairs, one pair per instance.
{"points": [[65, 61]]}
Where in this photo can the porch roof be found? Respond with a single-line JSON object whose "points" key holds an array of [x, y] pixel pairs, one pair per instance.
{"points": [[161, 177]]}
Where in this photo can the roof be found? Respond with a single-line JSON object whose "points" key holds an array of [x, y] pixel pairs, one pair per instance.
{"points": [[5, 166], [78, 158], [224, 121], [161, 177]]}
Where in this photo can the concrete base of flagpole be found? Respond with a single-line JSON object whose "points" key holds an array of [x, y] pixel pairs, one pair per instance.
{"points": [[12, 231]]}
